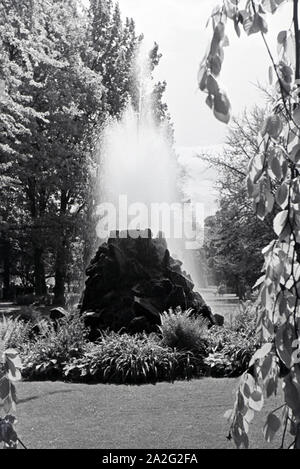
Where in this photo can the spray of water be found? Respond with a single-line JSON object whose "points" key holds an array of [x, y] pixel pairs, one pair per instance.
{"points": [[139, 162]]}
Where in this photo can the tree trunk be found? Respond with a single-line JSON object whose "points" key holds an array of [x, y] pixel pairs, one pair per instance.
{"points": [[59, 288], [61, 258], [60, 275], [39, 273], [6, 271]]}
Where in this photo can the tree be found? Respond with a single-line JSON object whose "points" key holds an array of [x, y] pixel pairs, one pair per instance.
{"points": [[233, 245], [113, 47], [64, 71], [234, 237], [52, 168], [276, 160], [48, 153], [19, 52]]}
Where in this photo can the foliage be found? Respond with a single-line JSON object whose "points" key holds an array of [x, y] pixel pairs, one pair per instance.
{"points": [[234, 237], [14, 332], [61, 350], [231, 347], [10, 365], [276, 163], [45, 355], [129, 359], [8, 435], [183, 349], [41, 40], [181, 330], [246, 318], [64, 71]]}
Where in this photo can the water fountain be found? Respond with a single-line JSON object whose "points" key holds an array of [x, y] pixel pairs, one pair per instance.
{"points": [[133, 277], [138, 160]]}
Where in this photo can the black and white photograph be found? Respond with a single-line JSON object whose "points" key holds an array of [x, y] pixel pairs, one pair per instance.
{"points": [[149, 228]]}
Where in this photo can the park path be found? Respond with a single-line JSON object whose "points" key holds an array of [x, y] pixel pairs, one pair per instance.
{"points": [[227, 305], [7, 307]]}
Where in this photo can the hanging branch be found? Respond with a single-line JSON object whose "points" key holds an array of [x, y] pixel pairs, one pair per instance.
{"points": [[297, 39], [278, 298]]}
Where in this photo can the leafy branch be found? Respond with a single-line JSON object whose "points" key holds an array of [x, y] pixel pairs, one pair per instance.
{"points": [[10, 366], [276, 165]]}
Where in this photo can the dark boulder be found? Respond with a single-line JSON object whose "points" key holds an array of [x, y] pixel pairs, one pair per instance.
{"points": [[219, 319], [58, 313], [132, 280], [206, 312], [140, 324], [144, 307]]}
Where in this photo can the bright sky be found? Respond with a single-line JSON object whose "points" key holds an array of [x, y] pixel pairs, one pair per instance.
{"points": [[179, 28]]}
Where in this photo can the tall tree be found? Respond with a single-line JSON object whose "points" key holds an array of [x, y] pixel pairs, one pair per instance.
{"points": [[19, 52], [64, 70], [51, 166]]}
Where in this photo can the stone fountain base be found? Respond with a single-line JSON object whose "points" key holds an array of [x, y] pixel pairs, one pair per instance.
{"points": [[131, 280]]}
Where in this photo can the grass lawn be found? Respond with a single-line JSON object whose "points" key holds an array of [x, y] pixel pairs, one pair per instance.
{"points": [[180, 415]]}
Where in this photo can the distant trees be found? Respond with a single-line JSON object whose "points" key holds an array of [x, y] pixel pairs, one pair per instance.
{"points": [[63, 70], [234, 236]]}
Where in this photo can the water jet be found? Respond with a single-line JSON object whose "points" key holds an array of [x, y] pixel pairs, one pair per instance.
{"points": [[136, 273]]}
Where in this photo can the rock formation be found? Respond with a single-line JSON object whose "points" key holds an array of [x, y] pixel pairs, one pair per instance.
{"points": [[131, 280]]}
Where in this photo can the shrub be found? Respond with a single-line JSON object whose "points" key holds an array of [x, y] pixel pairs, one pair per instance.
{"points": [[55, 344], [245, 320], [232, 347], [182, 331], [184, 349], [131, 359], [231, 352], [14, 332]]}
